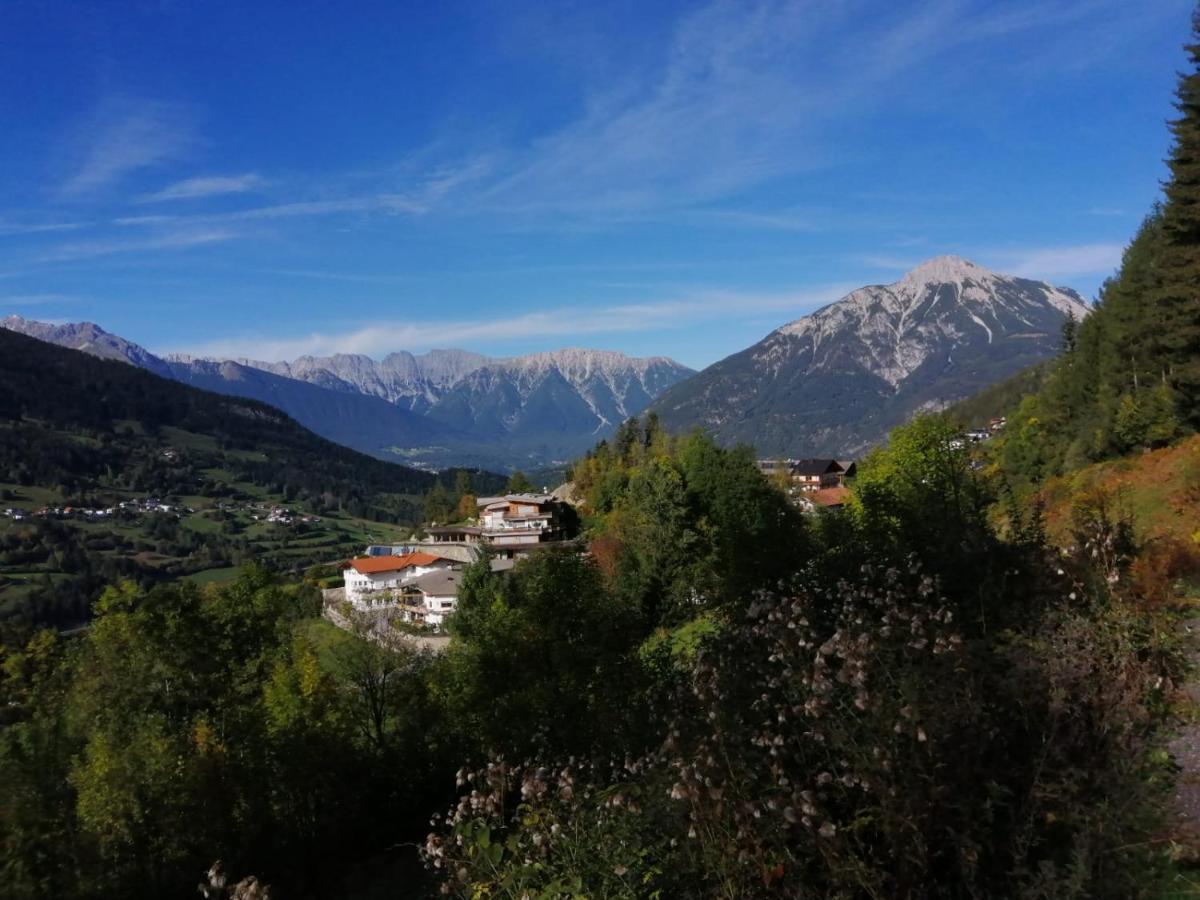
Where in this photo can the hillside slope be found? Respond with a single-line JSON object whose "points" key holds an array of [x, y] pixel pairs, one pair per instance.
{"points": [[110, 472], [111, 411], [363, 422], [1159, 491]]}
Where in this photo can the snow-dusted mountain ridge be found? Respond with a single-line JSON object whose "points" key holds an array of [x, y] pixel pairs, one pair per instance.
{"points": [[443, 407], [614, 386], [947, 297], [834, 381]]}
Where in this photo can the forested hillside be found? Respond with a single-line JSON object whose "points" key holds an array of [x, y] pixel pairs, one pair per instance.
{"points": [[63, 411], [108, 471]]}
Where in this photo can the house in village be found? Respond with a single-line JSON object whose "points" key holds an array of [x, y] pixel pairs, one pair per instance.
{"points": [[456, 535], [816, 474], [374, 580], [429, 599], [420, 579], [508, 525], [809, 475], [421, 587]]}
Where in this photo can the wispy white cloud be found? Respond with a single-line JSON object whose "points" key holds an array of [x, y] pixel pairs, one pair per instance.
{"points": [[15, 228], [125, 135], [746, 92], [567, 323], [21, 301], [174, 241], [388, 203], [1042, 263], [206, 186], [889, 263], [126, 221], [383, 202], [1060, 262]]}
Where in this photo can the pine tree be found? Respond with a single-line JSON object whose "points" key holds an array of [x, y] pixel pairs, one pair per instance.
{"points": [[1070, 330], [1177, 299], [438, 507], [1130, 426], [462, 483], [518, 483], [1161, 422]]}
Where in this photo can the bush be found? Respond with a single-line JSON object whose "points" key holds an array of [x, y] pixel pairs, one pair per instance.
{"points": [[850, 742], [1164, 569]]}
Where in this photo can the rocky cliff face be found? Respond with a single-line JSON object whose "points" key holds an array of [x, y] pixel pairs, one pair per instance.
{"points": [[566, 397], [833, 382], [415, 382]]}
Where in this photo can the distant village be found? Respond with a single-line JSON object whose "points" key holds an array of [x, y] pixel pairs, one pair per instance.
{"points": [[125, 509], [146, 506]]}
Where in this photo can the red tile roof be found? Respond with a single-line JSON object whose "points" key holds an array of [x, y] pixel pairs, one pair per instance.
{"points": [[373, 565], [834, 496]]}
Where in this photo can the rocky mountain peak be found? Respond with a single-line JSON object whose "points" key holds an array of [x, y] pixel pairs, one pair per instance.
{"points": [[945, 270]]}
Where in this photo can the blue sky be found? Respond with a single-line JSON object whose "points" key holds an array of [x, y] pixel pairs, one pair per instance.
{"points": [[272, 179]]}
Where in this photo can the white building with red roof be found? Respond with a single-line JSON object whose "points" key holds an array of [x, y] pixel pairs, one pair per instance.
{"points": [[372, 580]]}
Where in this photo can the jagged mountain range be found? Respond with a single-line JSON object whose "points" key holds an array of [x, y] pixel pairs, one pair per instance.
{"points": [[831, 383], [834, 382], [445, 407], [411, 381]]}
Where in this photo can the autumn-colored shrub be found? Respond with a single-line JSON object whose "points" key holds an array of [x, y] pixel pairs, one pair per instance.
{"points": [[1163, 568]]}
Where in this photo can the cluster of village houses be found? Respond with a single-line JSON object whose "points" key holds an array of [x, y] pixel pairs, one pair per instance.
{"points": [[975, 435], [280, 515], [126, 508], [148, 505], [419, 580]]}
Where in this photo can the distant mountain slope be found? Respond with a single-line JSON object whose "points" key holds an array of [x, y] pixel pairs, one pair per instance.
{"points": [[437, 409], [114, 412], [91, 339], [833, 383], [365, 423]]}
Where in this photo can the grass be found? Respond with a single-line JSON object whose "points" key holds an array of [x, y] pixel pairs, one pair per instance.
{"points": [[329, 641], [1159, 490], [188, 440], [214, 576], [28, 497], [203, 524]]}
